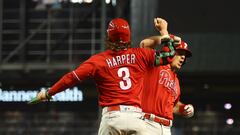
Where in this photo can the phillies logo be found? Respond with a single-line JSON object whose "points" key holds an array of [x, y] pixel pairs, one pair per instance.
{"points": [[165, 80]]}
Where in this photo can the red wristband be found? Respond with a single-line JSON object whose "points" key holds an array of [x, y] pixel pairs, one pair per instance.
{"points": [[181, 108]]}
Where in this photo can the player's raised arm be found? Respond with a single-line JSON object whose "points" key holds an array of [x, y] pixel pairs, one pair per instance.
{"points": [[163, 56], [162, 26], [151, 42]]}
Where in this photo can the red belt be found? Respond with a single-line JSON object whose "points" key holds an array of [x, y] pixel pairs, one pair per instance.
{"points": [[159, 120], [113, 108]]}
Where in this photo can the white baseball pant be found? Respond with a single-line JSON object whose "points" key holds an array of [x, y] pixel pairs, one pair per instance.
{"points": [[126, 120]]}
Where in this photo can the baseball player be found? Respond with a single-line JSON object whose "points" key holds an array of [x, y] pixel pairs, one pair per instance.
{"points": [[162, 90], [118, 73]]}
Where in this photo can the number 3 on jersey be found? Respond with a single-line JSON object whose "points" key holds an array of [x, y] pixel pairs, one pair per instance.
{"points": [[124, 73]]}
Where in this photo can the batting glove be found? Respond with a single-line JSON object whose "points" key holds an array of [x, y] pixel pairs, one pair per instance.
{"points": [[186, 110]]}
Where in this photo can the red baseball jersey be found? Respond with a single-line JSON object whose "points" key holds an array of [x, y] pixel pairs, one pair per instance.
{"points": [[161, 91], [118, 75]]}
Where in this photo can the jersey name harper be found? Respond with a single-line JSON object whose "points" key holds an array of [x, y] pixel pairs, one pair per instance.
{"points": [[121, 59]]}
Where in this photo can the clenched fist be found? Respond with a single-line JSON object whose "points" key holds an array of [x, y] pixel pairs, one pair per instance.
{"points": [[186, 110], [161, 25]]}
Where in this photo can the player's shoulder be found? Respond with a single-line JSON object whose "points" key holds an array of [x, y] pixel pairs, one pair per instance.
{"points": [[142, 50], [139, 49], [97, 56], [167, 68]]}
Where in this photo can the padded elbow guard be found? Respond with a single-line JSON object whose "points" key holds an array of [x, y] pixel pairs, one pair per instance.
{"points": [[166, 54]]}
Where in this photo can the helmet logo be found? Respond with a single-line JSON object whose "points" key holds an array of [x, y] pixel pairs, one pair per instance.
{"points": [[185, 45], [125, 27]]}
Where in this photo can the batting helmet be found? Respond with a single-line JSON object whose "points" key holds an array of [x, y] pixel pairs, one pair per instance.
{"points": [[119, 31], [184, 46]]}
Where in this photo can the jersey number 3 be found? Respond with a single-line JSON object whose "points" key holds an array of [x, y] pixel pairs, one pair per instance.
{"points": [[124, 73]]}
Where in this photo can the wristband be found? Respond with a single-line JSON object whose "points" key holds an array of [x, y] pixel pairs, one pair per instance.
{"points": [[181, 109]]}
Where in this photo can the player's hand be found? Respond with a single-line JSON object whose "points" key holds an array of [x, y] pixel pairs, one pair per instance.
{"points": [[177, 40], [161, 25], [187, 110], [41, 96]]}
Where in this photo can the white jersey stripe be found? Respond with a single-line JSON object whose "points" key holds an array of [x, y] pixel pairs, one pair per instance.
{"points": [[76, 76]]}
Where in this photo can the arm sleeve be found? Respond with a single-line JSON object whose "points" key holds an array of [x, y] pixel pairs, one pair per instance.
{"points": [[65, 82], [148, 55], [85, 70]]}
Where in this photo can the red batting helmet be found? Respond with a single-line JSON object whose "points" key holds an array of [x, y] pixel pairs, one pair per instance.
{"points": [[119, 31], [184, 46]]}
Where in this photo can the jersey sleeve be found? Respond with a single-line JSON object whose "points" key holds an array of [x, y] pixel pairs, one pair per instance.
{"points": [[148, 55], [85, 70], [67, 81]]}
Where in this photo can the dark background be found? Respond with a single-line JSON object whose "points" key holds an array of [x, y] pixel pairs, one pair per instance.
{"points": [[208, 80]]}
